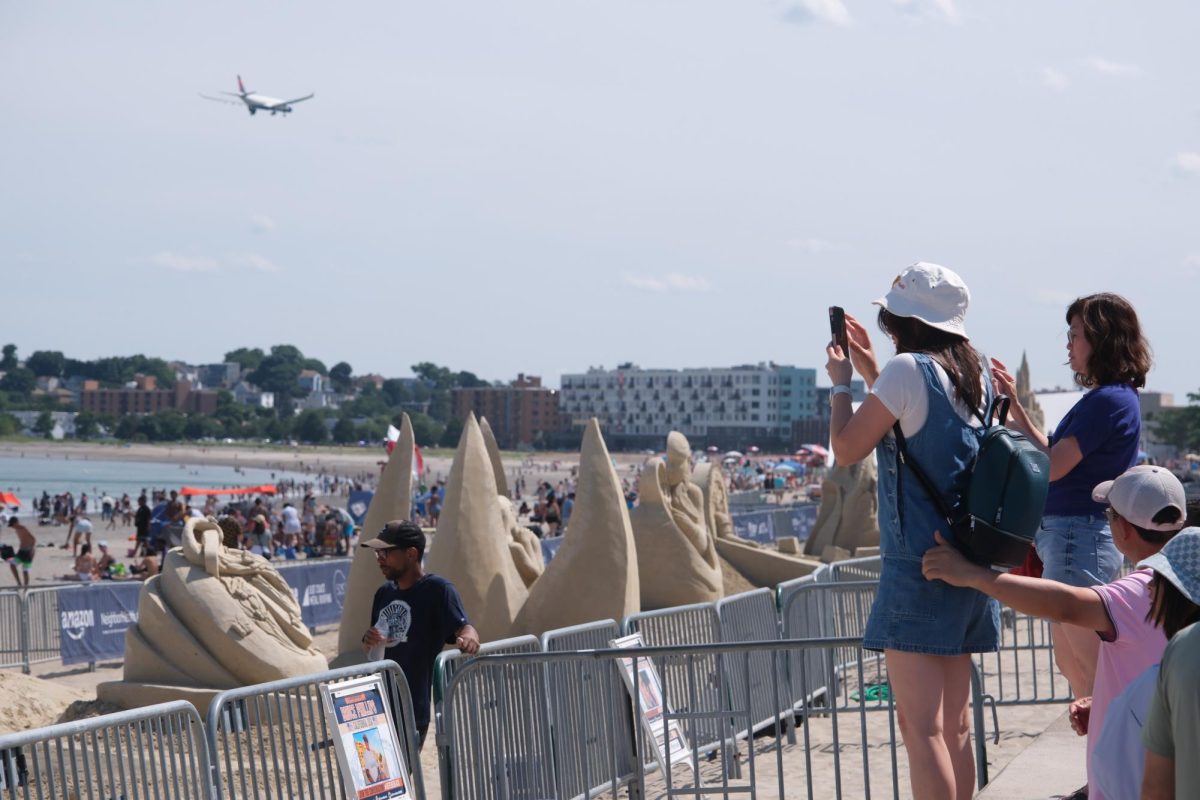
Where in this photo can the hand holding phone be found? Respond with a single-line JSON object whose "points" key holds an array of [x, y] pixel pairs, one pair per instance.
{"points": [[837, 326]]}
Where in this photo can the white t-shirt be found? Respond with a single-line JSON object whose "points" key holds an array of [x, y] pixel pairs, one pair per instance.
{"points": [[291, 520], [901, 388]]}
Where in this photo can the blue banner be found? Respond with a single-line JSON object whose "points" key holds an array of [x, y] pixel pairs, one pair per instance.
{"points": [[93, 620], [320, 589], [757, 526], [357, 504], [767, 526], [550, 548]]}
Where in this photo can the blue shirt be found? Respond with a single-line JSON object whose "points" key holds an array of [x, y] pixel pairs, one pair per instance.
{"points": [[1107, 425]]}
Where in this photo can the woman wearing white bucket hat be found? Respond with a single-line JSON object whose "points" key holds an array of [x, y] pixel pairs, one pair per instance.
{"points": [[927, 630]]}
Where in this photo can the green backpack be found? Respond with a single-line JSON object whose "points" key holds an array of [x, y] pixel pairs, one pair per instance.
{"points": [[998, 513]]}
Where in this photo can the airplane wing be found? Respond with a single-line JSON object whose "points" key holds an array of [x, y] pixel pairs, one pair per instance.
{"points": [[220, 99], [289, 102]]}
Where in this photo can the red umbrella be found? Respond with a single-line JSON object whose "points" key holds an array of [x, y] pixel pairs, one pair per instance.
{"points": [[9, 499]]}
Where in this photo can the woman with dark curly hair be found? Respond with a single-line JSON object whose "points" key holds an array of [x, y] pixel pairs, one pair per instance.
{"points": [[1096, 441]]}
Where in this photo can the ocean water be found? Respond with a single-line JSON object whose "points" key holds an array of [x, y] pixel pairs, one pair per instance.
{"points": [[28, 477]]}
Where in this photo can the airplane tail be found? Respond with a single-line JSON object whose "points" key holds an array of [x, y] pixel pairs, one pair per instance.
{"points": [[241, 87]]}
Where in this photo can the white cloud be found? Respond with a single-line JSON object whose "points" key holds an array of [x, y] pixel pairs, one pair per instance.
{"points": [[1188, 162], [1114, 68], [262, 223], [178, 263], [945, 9], [671, 282], [805, 11], [1055, 79], [181, 263], [812, 245]]}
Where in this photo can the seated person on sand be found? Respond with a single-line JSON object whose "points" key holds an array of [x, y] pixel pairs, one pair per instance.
{"points": [[105, 562], [147, 567], [85, 566]]}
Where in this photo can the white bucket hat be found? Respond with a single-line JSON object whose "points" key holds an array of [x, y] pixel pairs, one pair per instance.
{"points": [[931, 293], [1179, 562]]}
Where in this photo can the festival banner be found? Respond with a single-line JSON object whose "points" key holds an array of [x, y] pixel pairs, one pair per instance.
{"points": [[92, 620], [357, 504], [319, 588], [365, 740]]}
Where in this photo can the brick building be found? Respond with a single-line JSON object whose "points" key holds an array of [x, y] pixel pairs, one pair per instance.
{"points": [[144, 397], [521, 414]]}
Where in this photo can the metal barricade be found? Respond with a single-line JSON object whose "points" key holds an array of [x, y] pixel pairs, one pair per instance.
{"points": [[42, 629], [753, 617], [497, 715], [12, 630], [847, 752], [829, 610], [853, 569], [272, 740], [689, 687], [1023, 672], [155, 752], [588, 707]]}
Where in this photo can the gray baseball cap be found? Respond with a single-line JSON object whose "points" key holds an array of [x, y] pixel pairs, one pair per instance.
{"points": [[1139, 493]]}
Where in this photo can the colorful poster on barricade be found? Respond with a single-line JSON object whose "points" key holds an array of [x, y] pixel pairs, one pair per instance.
{"points": [[364, 737], [645, 689], [92, 620]]}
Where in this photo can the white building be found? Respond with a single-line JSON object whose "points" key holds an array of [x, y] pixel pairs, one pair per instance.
{"points": [[723, 406]]}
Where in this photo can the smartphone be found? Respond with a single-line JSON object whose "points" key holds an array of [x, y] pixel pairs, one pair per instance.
{"points": [[837, 326]]}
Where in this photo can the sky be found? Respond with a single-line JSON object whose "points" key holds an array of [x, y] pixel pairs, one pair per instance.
{"points": [[545, 186]]}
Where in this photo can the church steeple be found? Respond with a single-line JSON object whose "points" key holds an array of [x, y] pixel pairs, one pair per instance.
{"points": [[1026, 396]]}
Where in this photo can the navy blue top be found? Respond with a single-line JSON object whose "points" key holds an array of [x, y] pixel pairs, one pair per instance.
{"points": [[1107, 424], [419, 620]]}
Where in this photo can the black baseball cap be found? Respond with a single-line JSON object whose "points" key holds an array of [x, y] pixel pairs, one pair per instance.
{"points": [[398, 533]]}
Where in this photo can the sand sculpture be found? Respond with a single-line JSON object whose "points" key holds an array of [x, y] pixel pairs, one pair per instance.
{"points": [[711, 480], [493, 451], [392, 500], [523, 545], [471, 547], [215, 618], [595, 574], [677, 557], [848, 517]]}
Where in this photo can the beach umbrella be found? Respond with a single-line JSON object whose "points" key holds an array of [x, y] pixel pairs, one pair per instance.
{"points": [[713, 449], [9, 499], [733, 454], [784, 467], [815, 449], [753, 449]]}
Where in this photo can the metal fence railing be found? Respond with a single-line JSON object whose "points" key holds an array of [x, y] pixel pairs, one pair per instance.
{"points": [[12, 630], [838, 754], [752, 617], [157, 752], [588, 708], [272, 740]]}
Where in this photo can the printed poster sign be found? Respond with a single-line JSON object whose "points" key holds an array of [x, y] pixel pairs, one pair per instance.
{"points": [[670, 745], [92, 621], [365, 739]]}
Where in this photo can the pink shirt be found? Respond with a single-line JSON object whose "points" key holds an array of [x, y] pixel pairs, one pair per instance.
{"points": [[1135, 646]]}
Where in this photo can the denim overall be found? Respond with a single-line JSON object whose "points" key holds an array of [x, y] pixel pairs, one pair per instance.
{"points": [[911, 613]]}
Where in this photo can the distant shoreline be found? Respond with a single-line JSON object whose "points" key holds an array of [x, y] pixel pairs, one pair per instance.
{"points": [[342, 460]]}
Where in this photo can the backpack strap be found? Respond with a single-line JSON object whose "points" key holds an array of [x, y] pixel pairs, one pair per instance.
{"points": [[903, 454]]}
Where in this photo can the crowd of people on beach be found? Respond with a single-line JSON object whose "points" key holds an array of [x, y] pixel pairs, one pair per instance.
{"points": [[925, 413]]}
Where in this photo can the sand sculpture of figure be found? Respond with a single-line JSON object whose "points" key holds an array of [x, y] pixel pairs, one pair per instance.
{"points": [[471, 547], [848, 517], [392, 500], [711, 480], [595, 574], [676, 554], [493, 451], [523, 545], [214, 618]]}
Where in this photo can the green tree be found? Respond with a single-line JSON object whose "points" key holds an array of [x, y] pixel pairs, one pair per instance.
{"points": [[44, 424], [248, 359], [1179, 426], [86, 425], [201, 426], [9, 361], [316, 365], [340, 377], [127, 427], [19, 381], [310, 427], [344, 431], [46, 363], [451, 433], [278, 373], [426, 430], [9, 425]]}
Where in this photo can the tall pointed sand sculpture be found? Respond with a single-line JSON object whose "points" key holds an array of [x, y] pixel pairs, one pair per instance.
{"points": [[711, 480], [215, 618], [392, 500], [595, 574], [493, 451], [677, 557], [471, 548]]}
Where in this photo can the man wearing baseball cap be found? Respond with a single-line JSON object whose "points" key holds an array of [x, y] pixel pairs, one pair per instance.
{"points": [[414, 614], [1146, 508], [1172, 732]]}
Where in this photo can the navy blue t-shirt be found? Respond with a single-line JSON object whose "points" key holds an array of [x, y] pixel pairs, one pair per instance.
{"points": [[419, 620], [1107, 424]]}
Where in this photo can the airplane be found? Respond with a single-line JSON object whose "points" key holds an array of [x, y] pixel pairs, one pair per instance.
{"points": [[257, 102]]}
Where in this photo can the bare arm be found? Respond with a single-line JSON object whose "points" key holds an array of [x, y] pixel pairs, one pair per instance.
{"points": [[1040, 598], [855, 434], [1158, 777]]}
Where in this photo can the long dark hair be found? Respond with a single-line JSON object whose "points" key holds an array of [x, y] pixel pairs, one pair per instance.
{"points": [[956, 355], [1172, 611], [1120, 354]]}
